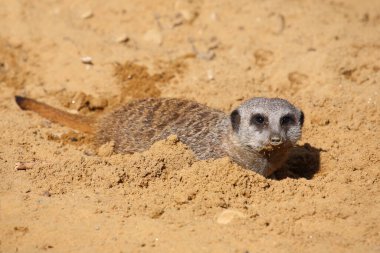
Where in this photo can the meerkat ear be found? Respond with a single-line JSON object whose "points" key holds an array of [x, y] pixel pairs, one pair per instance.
{"points": [[235, 120], [302, 118]]}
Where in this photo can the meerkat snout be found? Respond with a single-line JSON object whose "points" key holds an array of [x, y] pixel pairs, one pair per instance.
{"points": [[275, 140]]}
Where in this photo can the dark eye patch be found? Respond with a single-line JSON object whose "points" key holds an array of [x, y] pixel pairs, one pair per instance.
{"points": [[257, 119], [287, 120]]}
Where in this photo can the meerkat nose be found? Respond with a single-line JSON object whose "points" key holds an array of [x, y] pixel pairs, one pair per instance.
{"points": [[275, 140]]}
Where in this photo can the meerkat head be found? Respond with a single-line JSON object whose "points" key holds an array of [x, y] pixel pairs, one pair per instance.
{"points": [[266, 124]]}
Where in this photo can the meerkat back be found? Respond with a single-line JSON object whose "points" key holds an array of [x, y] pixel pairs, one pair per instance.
{"points": [[138, 124]]}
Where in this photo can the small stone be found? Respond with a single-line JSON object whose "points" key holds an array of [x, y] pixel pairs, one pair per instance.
{"points": [[227, 216], [172, 139], [106, 149], [276, 23], [213, 43], [323, 121], [22, 230], [189, 15], [86, 60], [297, 78], [46, 246], [46, 194], [208, 56], [124, 38], [178, 20], [45, 123], [78, 101], [210, 75], [96, 103], [15, 42], [55, 136], [181, 198], [213, 16], [89, 152], [156, 213], [87, 14], [263, 57], [24, 165], [153, 36]]}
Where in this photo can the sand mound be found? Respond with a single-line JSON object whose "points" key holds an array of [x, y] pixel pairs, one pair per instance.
{"points": [[167, 176]]}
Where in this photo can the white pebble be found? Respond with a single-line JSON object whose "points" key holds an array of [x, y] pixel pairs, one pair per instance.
{"points": [[210, 74], [213, 16], [227, 216], [86, 59], [87, 15]]}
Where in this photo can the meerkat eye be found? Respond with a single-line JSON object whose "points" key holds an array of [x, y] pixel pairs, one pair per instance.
{"points": [[286, 120], [257, 119]]}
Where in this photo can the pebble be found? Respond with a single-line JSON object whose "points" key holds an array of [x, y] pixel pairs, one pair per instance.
{"points": [[23, 230], [297, 78], [156, 213], [276, 23], [172, 139], [178, 20], [188, 15], [181, 199], [123, 38], [89, 152], [208, 56], [263, 57], [227, 216], [24, 165], [97, 103], [78, 101], [153, 36], [210, 75], [213, 43], [106, 149], [86, 60], [213, 16], [87, 14], [46, 194]]}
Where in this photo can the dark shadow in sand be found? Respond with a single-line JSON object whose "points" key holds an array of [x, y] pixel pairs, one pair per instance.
{"points": [[303, 162]]}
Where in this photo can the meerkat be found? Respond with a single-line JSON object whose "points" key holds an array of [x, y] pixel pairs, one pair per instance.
{"points": [[257, 135]]}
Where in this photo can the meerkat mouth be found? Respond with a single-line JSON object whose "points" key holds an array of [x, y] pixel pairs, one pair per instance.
{"points": [[269, 148], [266, 148]]}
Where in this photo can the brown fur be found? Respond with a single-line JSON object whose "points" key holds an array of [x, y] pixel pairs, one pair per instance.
{"points": [[210, 133], [138, 124]]}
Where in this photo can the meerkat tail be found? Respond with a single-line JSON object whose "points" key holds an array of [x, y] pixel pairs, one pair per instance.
{"points": [[81, 123]]}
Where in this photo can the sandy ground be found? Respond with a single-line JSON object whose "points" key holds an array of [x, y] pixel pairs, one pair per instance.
{"points": [[323, 56]]}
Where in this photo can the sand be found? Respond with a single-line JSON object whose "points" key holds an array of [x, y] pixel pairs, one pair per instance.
{"points": [[59, 193]]}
